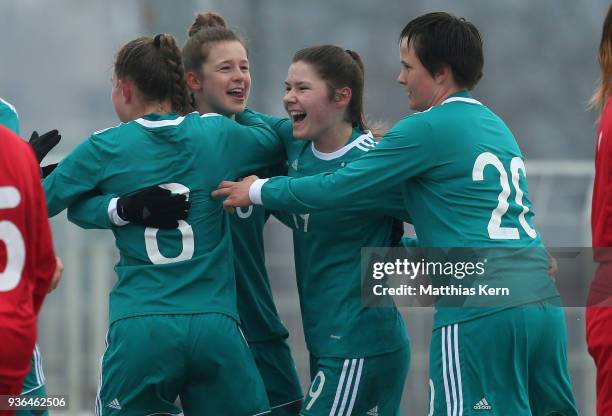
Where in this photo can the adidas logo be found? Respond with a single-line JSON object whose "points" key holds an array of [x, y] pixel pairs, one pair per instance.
{"points": [[115, 404], [373, 411], [482, 405]]}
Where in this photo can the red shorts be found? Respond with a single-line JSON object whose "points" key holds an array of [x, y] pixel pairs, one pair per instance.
{"points": [[599, 342]]}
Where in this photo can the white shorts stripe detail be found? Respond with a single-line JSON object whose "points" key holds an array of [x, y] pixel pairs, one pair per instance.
{"points": [[457, 365], [37, 368], [339, 389], [171, 414], [168, 414], [285, 404], [444, 375], [432, 395], [449, 353], [37, 365], [41, 373], [347, 389], [355, 387], [98, 400]]}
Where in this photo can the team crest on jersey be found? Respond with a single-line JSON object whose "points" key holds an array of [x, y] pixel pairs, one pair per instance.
{"points": [[294, 165]]}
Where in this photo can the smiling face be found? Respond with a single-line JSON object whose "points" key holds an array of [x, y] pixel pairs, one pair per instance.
{"points": [[224, 79], [421, 88], [308, 103]]}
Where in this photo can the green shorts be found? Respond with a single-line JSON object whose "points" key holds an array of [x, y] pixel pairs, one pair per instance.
{"points": [[34, 384], [513, 362], [202, 358], [357, 386], [277, 369]]}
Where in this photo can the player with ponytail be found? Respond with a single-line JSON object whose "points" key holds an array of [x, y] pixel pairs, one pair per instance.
{"points": [[174, 326]]}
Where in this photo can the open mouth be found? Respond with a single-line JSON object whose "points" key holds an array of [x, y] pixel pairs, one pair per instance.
{"points": [[297, 116], [237, 93]]}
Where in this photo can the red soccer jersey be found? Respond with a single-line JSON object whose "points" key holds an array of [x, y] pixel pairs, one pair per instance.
{"points": [[601, 210], [27, 259]]}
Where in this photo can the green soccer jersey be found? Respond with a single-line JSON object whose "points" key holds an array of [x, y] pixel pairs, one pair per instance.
{"points": [[258, 315], [185, 270], [463, 182], [327, 247], [8, 116]]}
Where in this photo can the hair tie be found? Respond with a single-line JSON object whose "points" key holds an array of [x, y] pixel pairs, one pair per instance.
{"points": [[351, 53], [157, 40]]}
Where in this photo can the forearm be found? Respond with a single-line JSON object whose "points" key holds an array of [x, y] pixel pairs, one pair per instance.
{"points": [[92, 212]]}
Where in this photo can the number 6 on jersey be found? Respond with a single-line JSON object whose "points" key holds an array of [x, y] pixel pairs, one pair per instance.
{"points": [[150, 234], [13, 240]]}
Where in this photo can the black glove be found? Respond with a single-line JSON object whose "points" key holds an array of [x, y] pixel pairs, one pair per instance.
{"points": [[46, 170], [43, 144], [153, 207]]}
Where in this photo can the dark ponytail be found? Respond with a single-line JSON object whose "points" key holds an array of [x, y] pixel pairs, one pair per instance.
{"points": [[155, 66]]}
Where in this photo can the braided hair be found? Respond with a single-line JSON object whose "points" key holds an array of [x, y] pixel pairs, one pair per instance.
{"points": [[155, 65]]}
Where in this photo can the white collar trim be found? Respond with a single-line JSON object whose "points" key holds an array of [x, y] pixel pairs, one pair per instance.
{"points": [[364, 142], [461, 99]]}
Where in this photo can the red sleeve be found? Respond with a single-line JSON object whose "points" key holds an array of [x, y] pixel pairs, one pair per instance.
{"points": [[44, 260], [27, 244], [601, 210]]}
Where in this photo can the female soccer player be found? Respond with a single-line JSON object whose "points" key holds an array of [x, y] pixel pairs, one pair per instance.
{"points": [[599, 319], [359, 356], [217, 73], [217, 70], [173, 319], [34, 384], [27, 259]]}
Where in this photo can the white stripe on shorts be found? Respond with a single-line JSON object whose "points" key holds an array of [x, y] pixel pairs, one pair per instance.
{"points": [[339, 389], [457, 365], [40, 374], [355, 388], [446, 395], [432, 396], [98, 400], [347, 389], [449, 355]]}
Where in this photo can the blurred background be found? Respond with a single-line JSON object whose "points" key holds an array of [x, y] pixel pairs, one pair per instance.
{"points": [[540, 70]]}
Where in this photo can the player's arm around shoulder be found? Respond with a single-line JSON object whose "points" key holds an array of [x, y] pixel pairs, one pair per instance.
{"points": [[91, 211], [81, 170], [282, 126], [252, 143]]}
